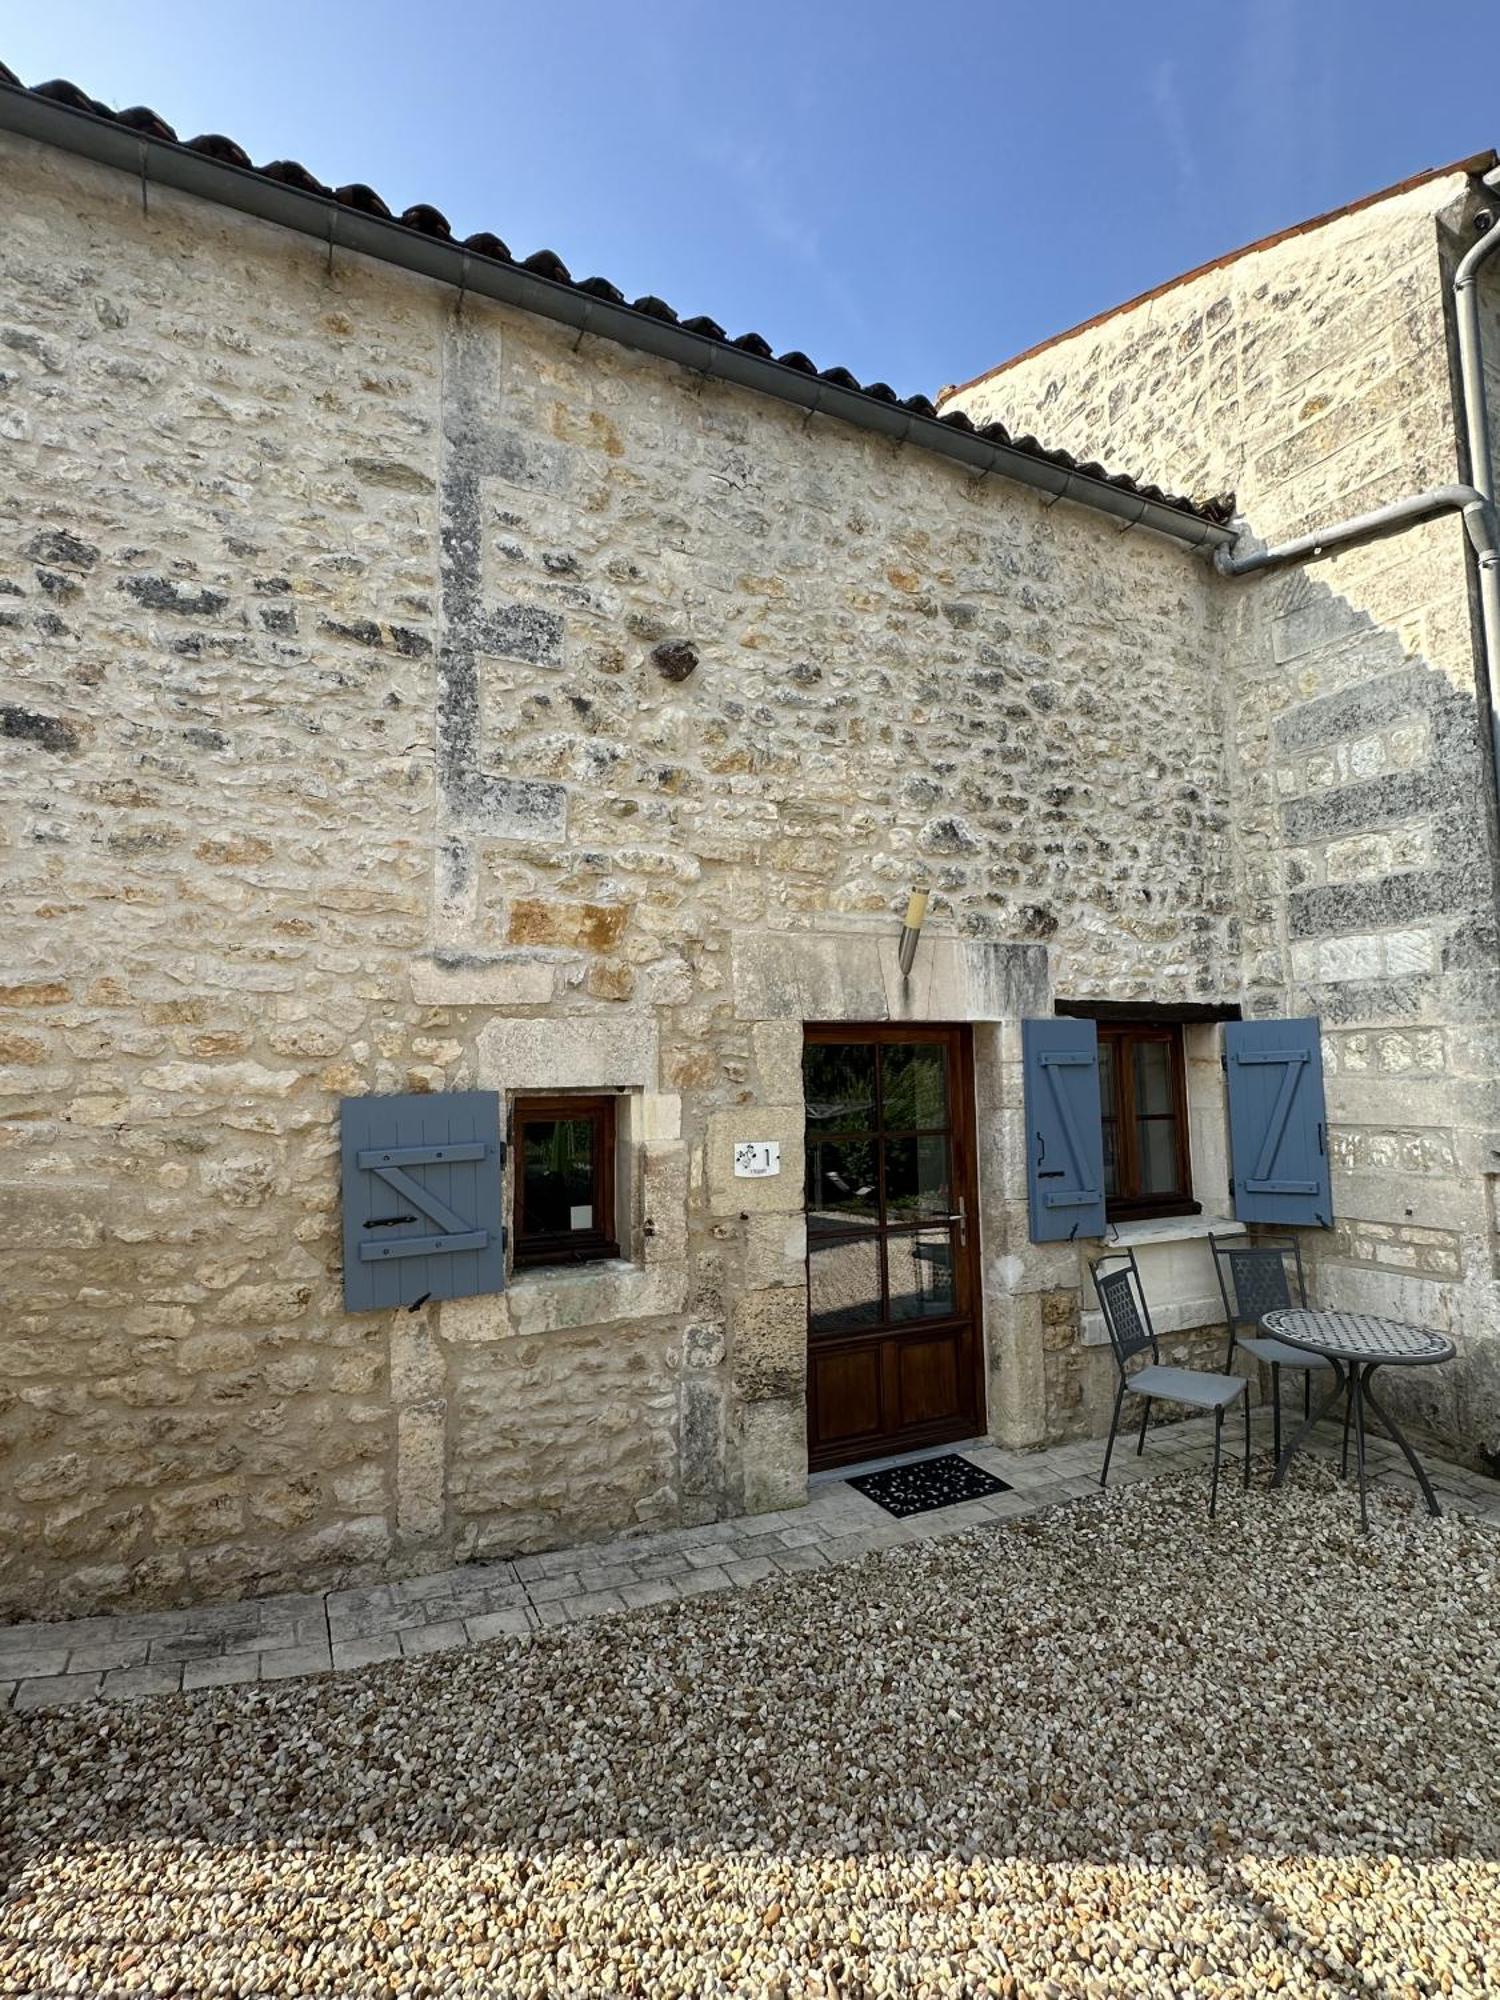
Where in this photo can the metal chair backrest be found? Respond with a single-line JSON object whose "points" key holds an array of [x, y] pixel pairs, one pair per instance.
{"points": [[1253, 1277], [1122, 1300]]}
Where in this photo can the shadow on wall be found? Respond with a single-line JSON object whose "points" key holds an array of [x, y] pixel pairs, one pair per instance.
{"points": [[1368, 900]]}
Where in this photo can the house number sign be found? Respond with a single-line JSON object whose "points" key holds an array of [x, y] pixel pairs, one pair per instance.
{"points": [[756, 1159]]}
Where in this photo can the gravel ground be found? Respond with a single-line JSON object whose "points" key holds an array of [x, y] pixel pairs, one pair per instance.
{"points": [[1112, 1749]]}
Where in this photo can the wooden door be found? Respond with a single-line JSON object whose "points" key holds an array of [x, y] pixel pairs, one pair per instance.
{"points": [[895, 1357]]}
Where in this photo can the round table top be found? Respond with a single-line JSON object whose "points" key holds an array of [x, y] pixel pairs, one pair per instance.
{"points": [[1350, 1336]]}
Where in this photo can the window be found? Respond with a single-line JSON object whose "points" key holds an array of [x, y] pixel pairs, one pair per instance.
{"points": [[565, 1179], [1143, 1104]]}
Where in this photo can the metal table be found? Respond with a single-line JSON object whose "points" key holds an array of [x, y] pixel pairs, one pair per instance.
{"points": [[1357, 1344]]}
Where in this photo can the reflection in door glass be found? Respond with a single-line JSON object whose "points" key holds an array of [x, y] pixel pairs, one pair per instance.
{"points": [[842, 1192], [916, 1178], [921, 1274], [914, 1085], [843, 1283], [838, 1082]]}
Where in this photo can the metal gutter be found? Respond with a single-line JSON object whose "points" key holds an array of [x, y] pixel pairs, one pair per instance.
{"points": [[336, 227]]}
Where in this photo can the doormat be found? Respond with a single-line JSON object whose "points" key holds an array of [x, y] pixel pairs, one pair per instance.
{"points": [[929, 1483]]}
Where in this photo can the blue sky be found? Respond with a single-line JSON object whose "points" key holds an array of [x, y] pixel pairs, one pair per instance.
{"points": [[914, 191]]}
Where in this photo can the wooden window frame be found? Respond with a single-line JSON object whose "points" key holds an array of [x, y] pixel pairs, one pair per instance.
{"points": [[575, 1246], [1133, 1205]]}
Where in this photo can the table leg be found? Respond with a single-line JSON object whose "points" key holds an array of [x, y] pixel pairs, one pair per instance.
{"points": [[1357, 1375], [1344, 1448], [1411, 1457], [1316, 1418]]}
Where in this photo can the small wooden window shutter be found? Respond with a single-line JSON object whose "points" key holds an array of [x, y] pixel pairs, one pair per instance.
{"points": [[421, 1185], [1064, 1131], [1278, 1126]]}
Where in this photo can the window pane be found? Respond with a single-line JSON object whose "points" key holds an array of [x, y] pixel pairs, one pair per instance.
{"points": [[843, 1284], [914, 1080], [916, 1178], [558, 1169], [838, 1081], [1111, 1159], [1156, 1142], [841, 1185], [1107, 1112], [921, 1274], [1153, 1078]]}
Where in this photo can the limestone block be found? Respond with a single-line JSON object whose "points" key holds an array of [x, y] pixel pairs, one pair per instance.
{"points": [[701, 1433], [773, 1456], [768, 1344], [592, 1295], [416, 1361], [660, 1115], [965, 979], [664, 1203], [569, 1052], [192, 1514], [519, 981], [703, 1346], [797, 976], [421, 1444], [729, 1194], [1017, 1370], [778, 1060], [474, 1322], [772, 1251]]}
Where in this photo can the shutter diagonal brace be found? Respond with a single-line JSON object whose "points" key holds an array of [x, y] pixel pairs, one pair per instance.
{"points": [[445, 1218], [1081, 1196], [1291, 1061]]}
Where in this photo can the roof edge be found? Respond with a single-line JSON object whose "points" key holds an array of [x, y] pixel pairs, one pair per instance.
{"points": [[1477, 163], [96, 134]]}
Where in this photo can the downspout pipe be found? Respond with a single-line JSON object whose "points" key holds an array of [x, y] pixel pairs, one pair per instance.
{"points": [[1471, 360], [1476, 412]]}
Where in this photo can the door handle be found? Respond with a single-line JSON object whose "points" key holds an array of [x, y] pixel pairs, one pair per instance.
{"points": [[961, 1217]]}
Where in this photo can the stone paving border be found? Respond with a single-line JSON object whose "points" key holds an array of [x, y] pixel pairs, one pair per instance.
{"points": [[280, 1638]]}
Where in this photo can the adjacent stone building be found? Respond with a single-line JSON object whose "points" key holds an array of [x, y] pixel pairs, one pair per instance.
{"points": [[420, 673]]}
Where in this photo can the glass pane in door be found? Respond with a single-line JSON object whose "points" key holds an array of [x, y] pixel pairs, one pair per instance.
{"points": [[838, 1084], [843, 1185], [920, 1266], [843, 1283], [916, 1178], [914, 1086], [881, 1208]]}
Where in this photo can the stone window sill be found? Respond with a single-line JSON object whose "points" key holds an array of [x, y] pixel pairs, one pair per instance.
{"points": [[578, 1272], [1170, 1229]]}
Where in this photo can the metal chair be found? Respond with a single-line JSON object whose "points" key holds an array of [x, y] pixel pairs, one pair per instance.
{"points": [[1253, 1280], [1122, 1300]]}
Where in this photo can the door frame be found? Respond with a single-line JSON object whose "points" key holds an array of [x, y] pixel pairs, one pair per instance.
{"points": [[957, 1035]]}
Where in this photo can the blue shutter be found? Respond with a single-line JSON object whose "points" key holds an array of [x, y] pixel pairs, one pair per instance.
{"points": [[421, 1185], [1278, 1128], [1064, 1129]]}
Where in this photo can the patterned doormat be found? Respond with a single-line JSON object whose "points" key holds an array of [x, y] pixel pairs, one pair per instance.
{"points": [[929, 1483]]}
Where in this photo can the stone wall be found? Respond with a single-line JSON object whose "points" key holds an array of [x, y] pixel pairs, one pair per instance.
{"points": [[1313, 377], [403, 694]]}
